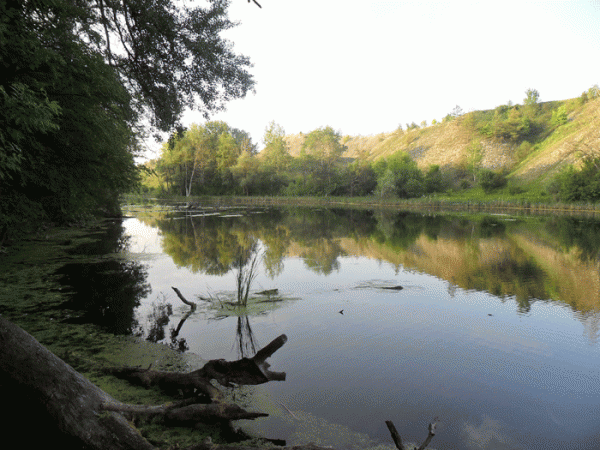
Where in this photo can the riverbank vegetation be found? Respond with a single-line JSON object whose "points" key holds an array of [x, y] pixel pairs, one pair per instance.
{"points": [[83, 83], [536, 152]]}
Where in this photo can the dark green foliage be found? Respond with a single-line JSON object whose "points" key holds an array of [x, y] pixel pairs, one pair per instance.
{"points": [[399, 176], [579, 185], [490, 180], [68, 104], [65, 119], [434, 180], [359, 179]]}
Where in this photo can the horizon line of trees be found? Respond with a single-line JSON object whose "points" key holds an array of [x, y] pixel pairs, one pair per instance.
{"points": [[215, 159]]}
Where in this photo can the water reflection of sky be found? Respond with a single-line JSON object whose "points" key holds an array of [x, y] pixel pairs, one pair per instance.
{"points": [[497, 378]]}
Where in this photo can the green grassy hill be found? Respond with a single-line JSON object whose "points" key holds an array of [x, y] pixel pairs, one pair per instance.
{"points": [[492, 139]]}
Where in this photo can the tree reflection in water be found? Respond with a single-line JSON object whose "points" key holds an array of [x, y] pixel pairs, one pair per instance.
{"points": [[528, 258], [245, 342], [158, 320], [105, 293]]}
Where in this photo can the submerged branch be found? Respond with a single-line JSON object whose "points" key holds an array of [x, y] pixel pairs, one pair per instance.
{"points": [[183, 299]]}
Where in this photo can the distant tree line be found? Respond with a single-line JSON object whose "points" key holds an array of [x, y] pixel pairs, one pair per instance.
{"points": [[215, 159]]}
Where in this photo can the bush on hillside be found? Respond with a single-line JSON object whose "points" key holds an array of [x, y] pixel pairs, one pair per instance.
{"points": [[434, 180], [490, 180], [574, 185], [399, 175]]}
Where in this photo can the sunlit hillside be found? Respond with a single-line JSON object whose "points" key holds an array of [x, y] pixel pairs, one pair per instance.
{"points": [[458, 142]]}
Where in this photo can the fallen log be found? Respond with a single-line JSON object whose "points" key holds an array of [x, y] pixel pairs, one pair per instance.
{"points": [[245, 371], [33, 378], [42, 391], [172, 383]]}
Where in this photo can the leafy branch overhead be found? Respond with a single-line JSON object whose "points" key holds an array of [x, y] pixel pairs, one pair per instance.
{"points": [[170, 57]]}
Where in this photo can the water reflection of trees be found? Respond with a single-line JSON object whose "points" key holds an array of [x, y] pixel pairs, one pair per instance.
{"points": [[158, 320], [514, 274], [208, 244], [105, 292], [245, 340], [507, 257], [582, 234]]}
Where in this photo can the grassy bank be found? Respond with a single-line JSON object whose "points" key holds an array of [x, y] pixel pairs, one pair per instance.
{"points": [[445, 202]]}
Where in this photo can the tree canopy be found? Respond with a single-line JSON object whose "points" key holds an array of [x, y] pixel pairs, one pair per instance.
{"points": [[77, 80]]}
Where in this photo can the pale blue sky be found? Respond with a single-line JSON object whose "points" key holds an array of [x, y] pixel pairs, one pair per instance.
{"points": [[365, 66]]}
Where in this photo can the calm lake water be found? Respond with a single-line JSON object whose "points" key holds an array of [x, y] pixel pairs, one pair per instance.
{"points": [[495, 332]]}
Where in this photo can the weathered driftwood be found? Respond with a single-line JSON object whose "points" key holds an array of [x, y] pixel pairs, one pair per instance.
{"points": [[172, 383], [188, 414], [395, 435], [80, 415], [429, 436], [245, 371], [248, 371], [398, 440]]}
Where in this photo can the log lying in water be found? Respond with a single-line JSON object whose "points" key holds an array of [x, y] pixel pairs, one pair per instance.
{"points": [[245, 371], [67, 408]]}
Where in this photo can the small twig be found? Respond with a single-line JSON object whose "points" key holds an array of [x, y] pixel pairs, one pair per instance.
{"points": [[183, 299], [395, 436], [288, 410]]}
